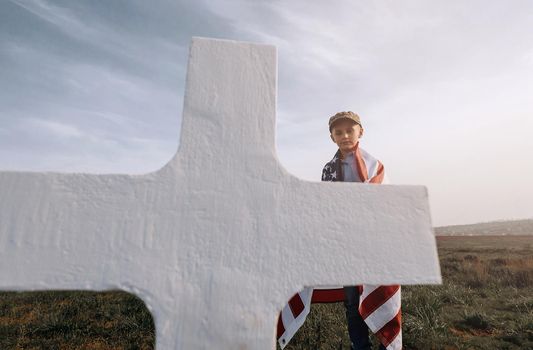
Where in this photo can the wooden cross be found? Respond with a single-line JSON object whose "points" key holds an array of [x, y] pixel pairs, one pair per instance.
{"points": [[219, 239]]}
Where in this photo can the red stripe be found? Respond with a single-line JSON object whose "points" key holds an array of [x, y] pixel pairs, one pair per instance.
{"points": [[296, 304], [281, 328], [328, 295], [361, 166], [377, 298], [390, 331], [379, 176]]}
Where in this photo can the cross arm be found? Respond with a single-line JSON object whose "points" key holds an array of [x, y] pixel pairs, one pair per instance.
{"points": [[348, 233]]}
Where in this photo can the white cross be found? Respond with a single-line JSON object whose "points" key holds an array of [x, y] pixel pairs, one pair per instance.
{"points": [[219, 239]]}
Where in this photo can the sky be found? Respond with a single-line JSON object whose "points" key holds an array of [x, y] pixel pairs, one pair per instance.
{"points": [[444, 88]]}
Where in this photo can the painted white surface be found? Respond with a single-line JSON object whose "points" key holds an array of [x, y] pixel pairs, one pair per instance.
{"points": [[216, 241]]}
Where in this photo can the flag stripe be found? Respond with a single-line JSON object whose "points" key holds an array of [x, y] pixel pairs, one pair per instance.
{"points": [[296, 305], [379, 175], [281, 328], [391, 330], [385, 312], [368, 288], [361, 166], [328, 295], [396, 344], [376, 298]]}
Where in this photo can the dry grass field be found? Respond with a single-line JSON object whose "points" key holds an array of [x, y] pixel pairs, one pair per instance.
{"points": [[485, 302], [74, 320]]}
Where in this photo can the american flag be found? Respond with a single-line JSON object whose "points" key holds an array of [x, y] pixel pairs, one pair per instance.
{"points": [[379, 306]]}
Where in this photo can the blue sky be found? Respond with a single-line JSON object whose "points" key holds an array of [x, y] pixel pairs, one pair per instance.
{"points": [[443, 88]]}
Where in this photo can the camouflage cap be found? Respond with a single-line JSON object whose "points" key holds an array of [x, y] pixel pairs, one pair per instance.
{"points": [[344, 115]]}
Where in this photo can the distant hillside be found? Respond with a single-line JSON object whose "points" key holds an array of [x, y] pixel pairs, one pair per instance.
{"points": [[516, 227]]}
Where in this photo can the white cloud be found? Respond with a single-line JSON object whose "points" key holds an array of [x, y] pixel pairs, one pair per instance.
{"points": [[54, 129]]}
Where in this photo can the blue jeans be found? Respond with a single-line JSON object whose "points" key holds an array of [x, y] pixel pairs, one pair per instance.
{"points": [[357, 328]]}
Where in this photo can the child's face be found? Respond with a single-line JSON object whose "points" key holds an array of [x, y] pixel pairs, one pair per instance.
{"points": [[346, 133]]}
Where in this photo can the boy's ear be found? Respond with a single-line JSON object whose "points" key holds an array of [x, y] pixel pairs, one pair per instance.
{"points": [[332, 139], [362, 132]]}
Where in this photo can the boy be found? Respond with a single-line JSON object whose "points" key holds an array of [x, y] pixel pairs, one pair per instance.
{"points": [[352, 164], [377, 308]]}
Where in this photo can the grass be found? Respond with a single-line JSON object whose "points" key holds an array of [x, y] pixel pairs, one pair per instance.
{"points": [[74, 320], [485, 302]]}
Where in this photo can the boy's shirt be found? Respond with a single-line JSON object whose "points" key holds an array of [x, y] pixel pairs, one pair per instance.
{"points": [[349, 169]]}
